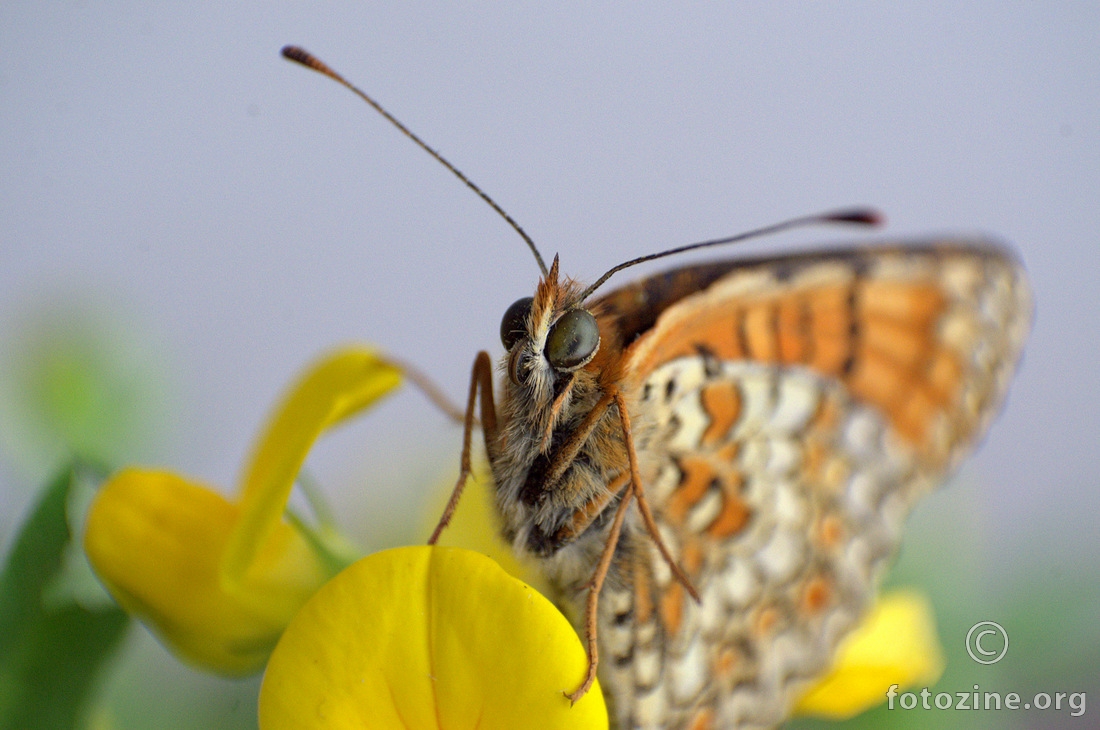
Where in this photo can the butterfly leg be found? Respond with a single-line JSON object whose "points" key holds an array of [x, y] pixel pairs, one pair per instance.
{"points": [[569, 450], [583, 517], [643, 503], [480, 379], [591, 608], [592, 604]]}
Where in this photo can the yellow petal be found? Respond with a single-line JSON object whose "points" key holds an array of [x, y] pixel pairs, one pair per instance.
{"points": [[156, 540], [335, 388], [425, 637], [896, 644]]}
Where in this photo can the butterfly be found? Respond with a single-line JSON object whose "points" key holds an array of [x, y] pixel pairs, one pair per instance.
{"points": [[785, 413], [713, 465]]}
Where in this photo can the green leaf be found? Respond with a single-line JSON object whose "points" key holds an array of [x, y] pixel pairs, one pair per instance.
{"points": [[49, 653]]}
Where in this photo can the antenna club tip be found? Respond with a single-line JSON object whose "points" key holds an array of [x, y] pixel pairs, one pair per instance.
{"points": [[858, 216], [307, 59], [295, 53]]}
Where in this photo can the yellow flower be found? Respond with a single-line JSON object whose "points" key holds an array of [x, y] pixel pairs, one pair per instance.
{"points": [[896, 644], [427, 637], [218, 580]]}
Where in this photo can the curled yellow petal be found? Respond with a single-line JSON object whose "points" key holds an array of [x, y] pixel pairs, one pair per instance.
{"points": [[338, 386], [897, 644], [156, 541], [426, 637]]}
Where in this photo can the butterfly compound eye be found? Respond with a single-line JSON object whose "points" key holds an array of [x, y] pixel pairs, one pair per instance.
{"points": [[573, 340], [514, 324]]}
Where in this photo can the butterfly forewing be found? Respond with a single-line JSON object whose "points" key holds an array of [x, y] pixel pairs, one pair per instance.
{"points": [[787, 413]]}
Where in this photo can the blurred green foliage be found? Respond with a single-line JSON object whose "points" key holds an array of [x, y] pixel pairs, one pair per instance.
{"points": [[51, 650], [79, 379]]}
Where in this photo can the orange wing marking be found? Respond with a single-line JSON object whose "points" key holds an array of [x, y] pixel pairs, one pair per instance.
{"points": [[879, 337]]}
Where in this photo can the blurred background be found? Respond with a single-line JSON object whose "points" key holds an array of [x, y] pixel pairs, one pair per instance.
{"points": [[188, 219]]}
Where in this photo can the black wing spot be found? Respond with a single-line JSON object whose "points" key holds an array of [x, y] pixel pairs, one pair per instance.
{"points": [[743, 336], [624, 618], [712, 366], [784, 269], [854, 331], [624, 662]]}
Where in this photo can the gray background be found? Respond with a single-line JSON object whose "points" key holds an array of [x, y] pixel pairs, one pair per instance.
{"points": [[161, 158]]}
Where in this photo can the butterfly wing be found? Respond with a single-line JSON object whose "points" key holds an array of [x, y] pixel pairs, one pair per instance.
{"points": [[789, 411]]}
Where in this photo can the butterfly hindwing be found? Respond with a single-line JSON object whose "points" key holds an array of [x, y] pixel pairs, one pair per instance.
{"points": [[788, 413]]}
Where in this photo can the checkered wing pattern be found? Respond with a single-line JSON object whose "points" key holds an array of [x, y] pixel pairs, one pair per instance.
{"points": [[789, 412]]}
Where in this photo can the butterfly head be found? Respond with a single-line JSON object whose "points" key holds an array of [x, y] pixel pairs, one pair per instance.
{"points": [[548, 336]]}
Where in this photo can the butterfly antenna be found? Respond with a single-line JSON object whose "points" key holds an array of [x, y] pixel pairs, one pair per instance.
{"points": [[855, 216], [299, 55]]}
